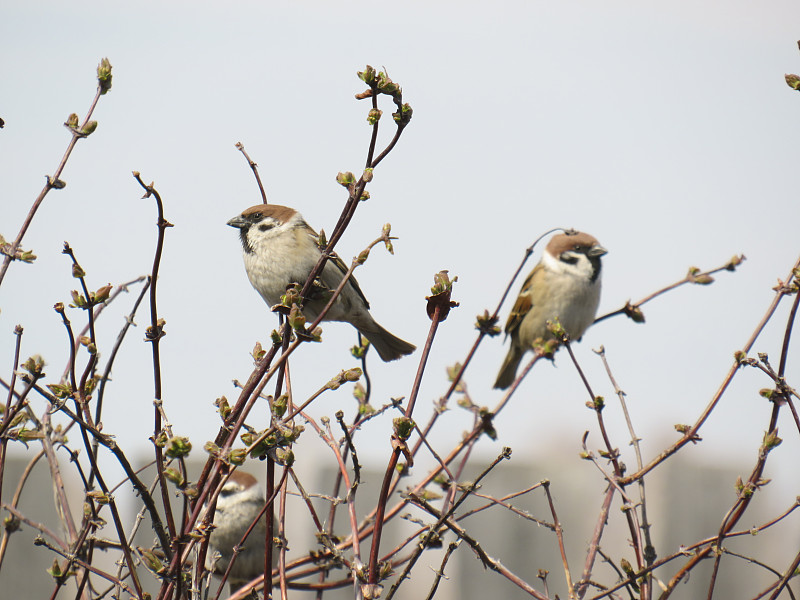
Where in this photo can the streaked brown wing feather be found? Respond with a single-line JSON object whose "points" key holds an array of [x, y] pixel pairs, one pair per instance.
{"points": [[339, 263], [521, 307]]}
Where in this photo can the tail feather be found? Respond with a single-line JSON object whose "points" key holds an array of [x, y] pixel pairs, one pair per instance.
{"points": [[508, 371], [388, 345]]}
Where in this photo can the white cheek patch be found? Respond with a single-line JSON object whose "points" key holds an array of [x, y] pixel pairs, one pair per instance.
{"points": [[264, 230], [581, 267], [266, 224]]}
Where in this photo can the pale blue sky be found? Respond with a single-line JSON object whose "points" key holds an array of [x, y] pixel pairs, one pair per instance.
{"points": [[665, 130]]}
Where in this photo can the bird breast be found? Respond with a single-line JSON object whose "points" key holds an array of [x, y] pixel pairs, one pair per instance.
{"points": [[572, 300], [277, 261]]}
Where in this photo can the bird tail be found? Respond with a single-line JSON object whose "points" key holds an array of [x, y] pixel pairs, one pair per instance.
{"points": [[508, 371], [388, 345]]}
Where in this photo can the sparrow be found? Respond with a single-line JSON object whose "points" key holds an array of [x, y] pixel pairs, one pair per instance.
{"points": [[280, 249], [565, 285], [238, 504]]}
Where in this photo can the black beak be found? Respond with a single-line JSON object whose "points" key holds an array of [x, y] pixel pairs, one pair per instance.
{"points": [[239, 222], [595, 251]]}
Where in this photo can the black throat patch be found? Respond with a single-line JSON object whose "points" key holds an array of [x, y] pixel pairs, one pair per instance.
{"points": [[245, 242], [596, 265]]}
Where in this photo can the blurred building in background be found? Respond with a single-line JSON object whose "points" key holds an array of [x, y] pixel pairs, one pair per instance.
{"points": [[686, 503]]}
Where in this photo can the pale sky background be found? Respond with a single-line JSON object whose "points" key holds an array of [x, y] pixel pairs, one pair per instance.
{"points": [[664, 129]]}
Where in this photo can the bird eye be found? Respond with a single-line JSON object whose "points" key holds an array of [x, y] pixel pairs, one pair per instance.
{"points": [[256, 216]]}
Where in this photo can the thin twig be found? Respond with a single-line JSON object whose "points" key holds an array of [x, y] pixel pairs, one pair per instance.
{"points": [[649, 549], [254, 167], [482, 332], [692, 277], [560, 537], [451, 547], [153, 334], [390, 468], [613, 456], [53, 182], [487, 561], [691, 433], [594, 544]]}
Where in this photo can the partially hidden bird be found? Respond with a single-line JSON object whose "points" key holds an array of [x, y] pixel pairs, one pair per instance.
{"points": [[563, 286], [281, 249], [238, 505]]}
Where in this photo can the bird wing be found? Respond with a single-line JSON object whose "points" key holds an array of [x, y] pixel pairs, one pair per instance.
{"points": [[522, 306], [335, 260]]}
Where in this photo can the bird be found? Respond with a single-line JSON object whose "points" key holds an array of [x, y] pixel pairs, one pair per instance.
{"points": [[238, 504], [281, 249], [564, 285]]}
